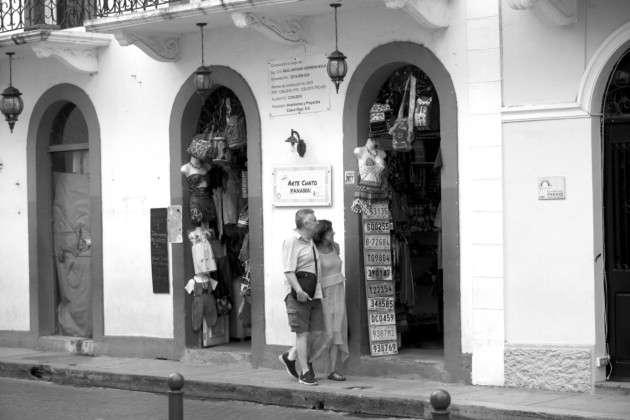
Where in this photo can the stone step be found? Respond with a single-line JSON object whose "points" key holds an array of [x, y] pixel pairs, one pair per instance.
{"points": [[612, 388], [64, 344]]}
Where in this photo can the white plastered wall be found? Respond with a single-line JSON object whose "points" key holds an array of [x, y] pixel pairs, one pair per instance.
{"points": [[482, 198]]}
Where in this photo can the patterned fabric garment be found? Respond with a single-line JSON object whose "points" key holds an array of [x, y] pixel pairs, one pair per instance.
{"points": [[194, 182], [371, 185], [203, 257]]}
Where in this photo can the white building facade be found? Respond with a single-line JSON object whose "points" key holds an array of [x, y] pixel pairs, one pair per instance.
{"points": [[527, 297]]}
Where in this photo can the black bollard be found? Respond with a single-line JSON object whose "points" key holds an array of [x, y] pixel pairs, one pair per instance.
{"points": [[440, 400], [175, 383]]}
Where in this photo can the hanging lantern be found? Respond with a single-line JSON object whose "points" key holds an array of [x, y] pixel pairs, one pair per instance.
{"points": [[11, 104], [337, 66], [203, 75]]}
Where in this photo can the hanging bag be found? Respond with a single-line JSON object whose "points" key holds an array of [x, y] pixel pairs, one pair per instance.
{"points": [[203, 146], [402, 131], [235, 130], [421, 118]]}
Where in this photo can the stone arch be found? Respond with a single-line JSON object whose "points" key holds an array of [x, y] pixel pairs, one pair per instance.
{"points": [[42, 270], [183, 123], [362, 89], [595, 77]]}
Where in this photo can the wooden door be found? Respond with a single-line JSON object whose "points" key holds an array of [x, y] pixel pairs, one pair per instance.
{"points": [[617, 242]]}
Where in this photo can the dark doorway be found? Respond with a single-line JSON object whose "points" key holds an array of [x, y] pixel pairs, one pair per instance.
{"points": [[617, 219]]}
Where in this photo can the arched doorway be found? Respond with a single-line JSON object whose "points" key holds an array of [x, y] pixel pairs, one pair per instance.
{"points": [[65, 216], [189, 117], [363, 89], [616, 132]]}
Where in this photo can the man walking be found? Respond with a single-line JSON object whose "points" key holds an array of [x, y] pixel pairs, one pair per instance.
{"points": [[303, 295]]}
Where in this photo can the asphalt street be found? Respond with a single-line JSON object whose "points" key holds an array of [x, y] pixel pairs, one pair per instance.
{"points": [[40, 400]]}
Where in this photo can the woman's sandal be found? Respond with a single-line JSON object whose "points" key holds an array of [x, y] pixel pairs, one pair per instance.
{"points": [[336, 377]]}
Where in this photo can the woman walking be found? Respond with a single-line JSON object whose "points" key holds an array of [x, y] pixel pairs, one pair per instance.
{"points": [[334, 298]]}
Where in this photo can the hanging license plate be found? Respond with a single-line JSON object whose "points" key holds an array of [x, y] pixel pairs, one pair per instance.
{"points": [[383, 332], [380, 289], [382, 318], [378, 211], [377, 242], [382, 348], [378, 257], [378, 272], [376, 226], [380, 304]]}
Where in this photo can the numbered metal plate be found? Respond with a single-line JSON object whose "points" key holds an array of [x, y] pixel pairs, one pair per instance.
{"points": [[381, 318], [376, 226], [377, 242], [380, 304], [378, 272], [383, 332], [380, 289], [382, 348], [379, 211], [378, 257]]}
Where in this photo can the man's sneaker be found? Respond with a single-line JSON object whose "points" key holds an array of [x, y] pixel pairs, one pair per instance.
{"points": [[289, 364], [308, 378]]}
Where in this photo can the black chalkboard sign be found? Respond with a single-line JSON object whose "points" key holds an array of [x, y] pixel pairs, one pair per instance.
{"points": [[159, 251]]}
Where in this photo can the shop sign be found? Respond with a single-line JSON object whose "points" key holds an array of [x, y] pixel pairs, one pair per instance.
{"points": [[174, 224], [376, 241], [298, 85], [159, 250], [380, 288], [378, 257], [378, 272], [380, 304], [297, 186], [381, 333], [383, 348], [381, 318]]}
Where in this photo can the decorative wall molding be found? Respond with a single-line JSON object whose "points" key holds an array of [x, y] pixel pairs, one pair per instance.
{"points": [[556, 12], [283, 32], [83, 59], [166, 48], [75, 50], [432, 14], [543, 112]]}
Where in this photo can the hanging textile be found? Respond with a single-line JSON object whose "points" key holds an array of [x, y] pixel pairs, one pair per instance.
{"points": [[72, 249]]}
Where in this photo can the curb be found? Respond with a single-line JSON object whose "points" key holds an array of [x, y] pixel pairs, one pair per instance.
{"points": [[349, 400]]}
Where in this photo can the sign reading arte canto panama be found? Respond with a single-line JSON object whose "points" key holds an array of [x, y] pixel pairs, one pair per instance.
{"points": [[298, 85], [295, 186]]}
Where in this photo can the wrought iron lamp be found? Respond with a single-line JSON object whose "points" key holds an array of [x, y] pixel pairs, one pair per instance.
{"points": [[337, 66], [297, 143], [11, 104], [203, 75]]}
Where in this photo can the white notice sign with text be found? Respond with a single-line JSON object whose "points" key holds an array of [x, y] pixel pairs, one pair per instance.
{"points": [[298, 85]]}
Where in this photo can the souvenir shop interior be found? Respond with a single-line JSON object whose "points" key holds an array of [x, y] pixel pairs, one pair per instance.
{"points": [[412, 178], [216, 200]]}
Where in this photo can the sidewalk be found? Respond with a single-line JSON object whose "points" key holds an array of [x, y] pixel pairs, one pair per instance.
{"points": [[366, 395]]}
